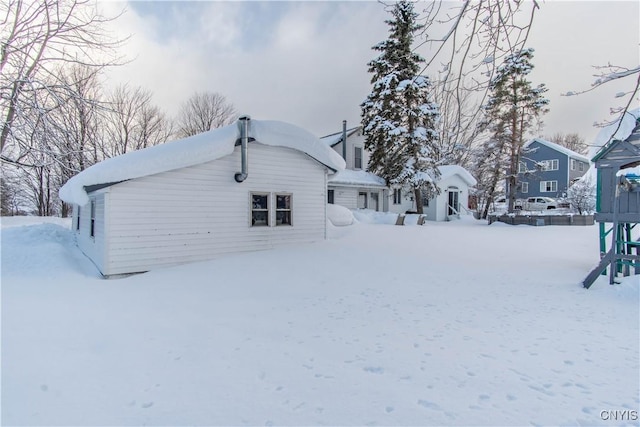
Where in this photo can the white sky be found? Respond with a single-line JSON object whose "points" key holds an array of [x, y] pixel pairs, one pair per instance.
{"points": [[305, 62]]}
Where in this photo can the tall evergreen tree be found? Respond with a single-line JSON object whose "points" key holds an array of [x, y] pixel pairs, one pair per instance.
{"points": [[513, 110], [398, 116]]}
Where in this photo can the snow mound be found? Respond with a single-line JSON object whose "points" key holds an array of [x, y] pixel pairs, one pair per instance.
{"points": [[369, 216], [339, 215]]}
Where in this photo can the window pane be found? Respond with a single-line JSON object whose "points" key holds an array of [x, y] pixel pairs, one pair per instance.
{"points": [[259, 201], [283, 218], [259, 218], [283, 202]]}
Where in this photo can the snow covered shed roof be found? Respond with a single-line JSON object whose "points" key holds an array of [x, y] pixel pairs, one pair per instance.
{"points": [[336, 138], [447, 171], [357, 178], [197, 149], [626, 129], [559, 148]]}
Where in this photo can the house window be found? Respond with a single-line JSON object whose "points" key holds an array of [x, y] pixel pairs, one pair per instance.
{"points": [[573, 164], [330, 196], [362, 200], [78, 220], [548, 186], [522, 167], [92, 231], [581, 166], [550, 165], [524, 187], [397, 196], [283, 209], [357, 158], [259, 209]]}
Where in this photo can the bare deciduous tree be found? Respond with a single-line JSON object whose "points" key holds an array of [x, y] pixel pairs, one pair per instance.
{"points": [[572, 141], [36, 39], [132, 122], [202, 112], [467, 42]]}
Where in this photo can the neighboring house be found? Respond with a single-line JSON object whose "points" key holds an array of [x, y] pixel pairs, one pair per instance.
{"points": [[355, 188], [548, 169], [234, 189]]}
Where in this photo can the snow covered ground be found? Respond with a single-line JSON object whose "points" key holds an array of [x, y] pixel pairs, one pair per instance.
{"points": [[446, 324]]}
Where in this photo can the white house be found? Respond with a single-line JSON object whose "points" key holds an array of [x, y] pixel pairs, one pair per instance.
{"points": [[355, 188], [249, 186]]}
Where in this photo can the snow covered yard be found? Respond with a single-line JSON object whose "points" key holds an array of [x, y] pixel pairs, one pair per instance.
{"points": [[447, 324]]}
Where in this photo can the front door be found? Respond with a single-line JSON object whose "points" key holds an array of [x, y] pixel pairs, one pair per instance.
{"points": [[453, 208]]}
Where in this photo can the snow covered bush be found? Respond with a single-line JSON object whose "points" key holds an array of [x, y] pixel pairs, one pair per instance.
{"points": [[582, 196]]}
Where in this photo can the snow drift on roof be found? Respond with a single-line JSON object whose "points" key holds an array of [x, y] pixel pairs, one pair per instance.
{"points": [[447, 171], [627, 124], [197, 149], [360, 177]]}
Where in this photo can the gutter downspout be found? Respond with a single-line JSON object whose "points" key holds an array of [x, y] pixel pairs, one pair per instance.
{"points": [[243, 124]]}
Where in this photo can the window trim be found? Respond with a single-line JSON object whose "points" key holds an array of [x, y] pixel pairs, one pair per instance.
{"points": [[290, 210], [522, 167], [252, 209], [524, 187], [78, 219]]}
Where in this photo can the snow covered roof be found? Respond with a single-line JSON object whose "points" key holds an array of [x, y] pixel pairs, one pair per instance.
{"points": [[447, 171], [564, 150], [618, 131], [335, 138], [195, 150], [360, 178]]}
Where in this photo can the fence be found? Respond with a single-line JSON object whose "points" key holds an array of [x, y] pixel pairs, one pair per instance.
{"points": [[539, 220]]}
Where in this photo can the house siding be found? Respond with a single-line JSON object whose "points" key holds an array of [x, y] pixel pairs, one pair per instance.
{"points": [[93, 247], [347, 196], [354, 140], [200, 212]]}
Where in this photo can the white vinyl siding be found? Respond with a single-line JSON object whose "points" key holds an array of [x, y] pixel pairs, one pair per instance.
{"points": [[200, 212]]}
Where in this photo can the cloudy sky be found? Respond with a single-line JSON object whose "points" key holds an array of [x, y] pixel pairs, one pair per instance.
{"points": [[305, 62]]}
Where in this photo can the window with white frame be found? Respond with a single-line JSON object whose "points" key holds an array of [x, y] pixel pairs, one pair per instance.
{"points": [[78, 220], [357, 158], [259, 209], [550, 165], [573, 164], [283, 209], [548, 186], [522, 167], [581, 166], [92, 230], [397, 196], [524, 187]]}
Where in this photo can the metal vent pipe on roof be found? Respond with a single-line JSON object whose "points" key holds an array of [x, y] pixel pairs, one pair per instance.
{"points": [[344, 140], [243, 124]]}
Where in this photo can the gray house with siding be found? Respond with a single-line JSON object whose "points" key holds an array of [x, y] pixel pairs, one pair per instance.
{"points": [[548, 169], [249, 186]]}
